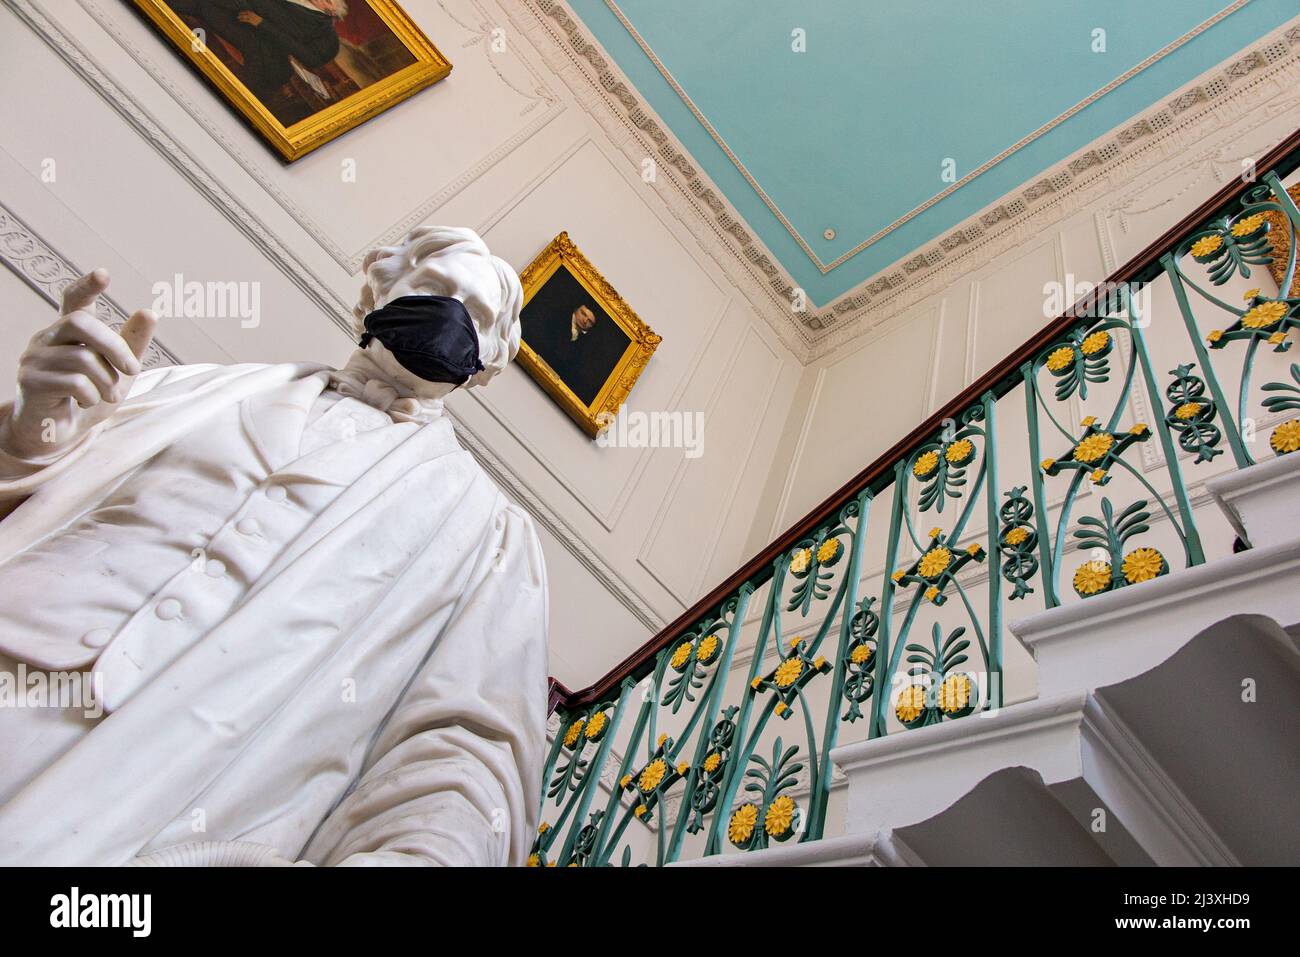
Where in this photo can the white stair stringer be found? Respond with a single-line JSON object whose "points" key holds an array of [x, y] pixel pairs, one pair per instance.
{"points": [[1176, 766]]}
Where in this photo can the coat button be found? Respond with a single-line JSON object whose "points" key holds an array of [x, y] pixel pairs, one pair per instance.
{"points": [[214, 568], [248, 526], [168, 609], [97, 638], [276, 493]]}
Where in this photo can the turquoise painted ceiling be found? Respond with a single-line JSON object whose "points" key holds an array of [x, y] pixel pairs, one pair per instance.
{"points": [[852, 135]]}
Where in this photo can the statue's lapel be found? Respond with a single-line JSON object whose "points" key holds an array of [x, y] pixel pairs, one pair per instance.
{"points": [[274, 419]]}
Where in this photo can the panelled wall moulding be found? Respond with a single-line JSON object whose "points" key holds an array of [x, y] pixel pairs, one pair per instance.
{"points": [[19, 241], [539, 100]]}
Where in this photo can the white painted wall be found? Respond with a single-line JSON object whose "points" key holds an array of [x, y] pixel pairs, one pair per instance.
{"points": [[154, 176]]}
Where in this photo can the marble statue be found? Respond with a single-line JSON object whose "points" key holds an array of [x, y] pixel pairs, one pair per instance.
{"points": [[315, 629]]}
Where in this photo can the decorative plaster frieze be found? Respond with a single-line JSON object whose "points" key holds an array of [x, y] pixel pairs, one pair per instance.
{"points": [[825, 267], [47, 272], [600, 89], [1270, 69], [153, 133]]}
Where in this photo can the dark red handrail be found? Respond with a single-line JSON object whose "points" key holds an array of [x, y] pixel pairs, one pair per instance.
{"points": [[1141, 269]]}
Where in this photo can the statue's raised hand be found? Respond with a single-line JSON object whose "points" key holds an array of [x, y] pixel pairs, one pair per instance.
{"points": [[74, 371]]}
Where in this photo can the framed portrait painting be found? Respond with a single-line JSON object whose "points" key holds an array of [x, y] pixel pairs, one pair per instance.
{"points": [[302, 72], [582, 343]]}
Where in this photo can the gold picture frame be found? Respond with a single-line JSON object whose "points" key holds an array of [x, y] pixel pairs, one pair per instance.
{"points": [[560, 264], [330, 121], [1279, 235]]}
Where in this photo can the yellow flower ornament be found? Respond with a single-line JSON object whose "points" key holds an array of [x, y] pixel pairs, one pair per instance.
{"points": [[1093, 447], [779, 819], [910, 704], [1092, 577], [925, 463], [741, 826], [959, 452], [1143, 564], [1264, 315], [788, 672], [1286, 437], [654, 773], [708, 647], [934, 562], [1060, 359], [954, 694], [1207, 247], [1248, 225], [1095, 344]]}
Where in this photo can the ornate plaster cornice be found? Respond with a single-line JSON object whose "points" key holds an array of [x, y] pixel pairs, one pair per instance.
{"points": [[824, 266], [1239, 84]]}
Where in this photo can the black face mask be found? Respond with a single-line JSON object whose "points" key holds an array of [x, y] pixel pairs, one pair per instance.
{"points": [[431, 336]]}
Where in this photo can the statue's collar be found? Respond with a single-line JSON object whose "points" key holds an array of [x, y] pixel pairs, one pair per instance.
{"points": [[364, 379]]}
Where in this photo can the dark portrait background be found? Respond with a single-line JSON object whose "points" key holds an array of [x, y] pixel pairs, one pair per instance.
{"points": [[585, 364], [297, 60]]}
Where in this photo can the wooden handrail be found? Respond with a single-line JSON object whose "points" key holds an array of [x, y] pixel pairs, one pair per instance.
{"points": [[1141, 269]]}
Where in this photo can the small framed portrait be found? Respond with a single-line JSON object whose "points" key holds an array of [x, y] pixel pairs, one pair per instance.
{"points": [[582, 343], [302, 72]]}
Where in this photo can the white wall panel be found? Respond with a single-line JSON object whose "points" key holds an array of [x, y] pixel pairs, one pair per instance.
{"points": [[705, 488], [868, 400], [1010, 302]]}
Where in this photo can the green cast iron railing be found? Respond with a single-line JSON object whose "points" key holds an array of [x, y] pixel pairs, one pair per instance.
{"points": [[725, 721]]}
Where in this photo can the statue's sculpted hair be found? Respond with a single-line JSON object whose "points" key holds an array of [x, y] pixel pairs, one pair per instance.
{"points": [[450, 261]]}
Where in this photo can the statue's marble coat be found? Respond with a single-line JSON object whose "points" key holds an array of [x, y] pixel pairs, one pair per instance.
{"points": [[375, 695]]}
